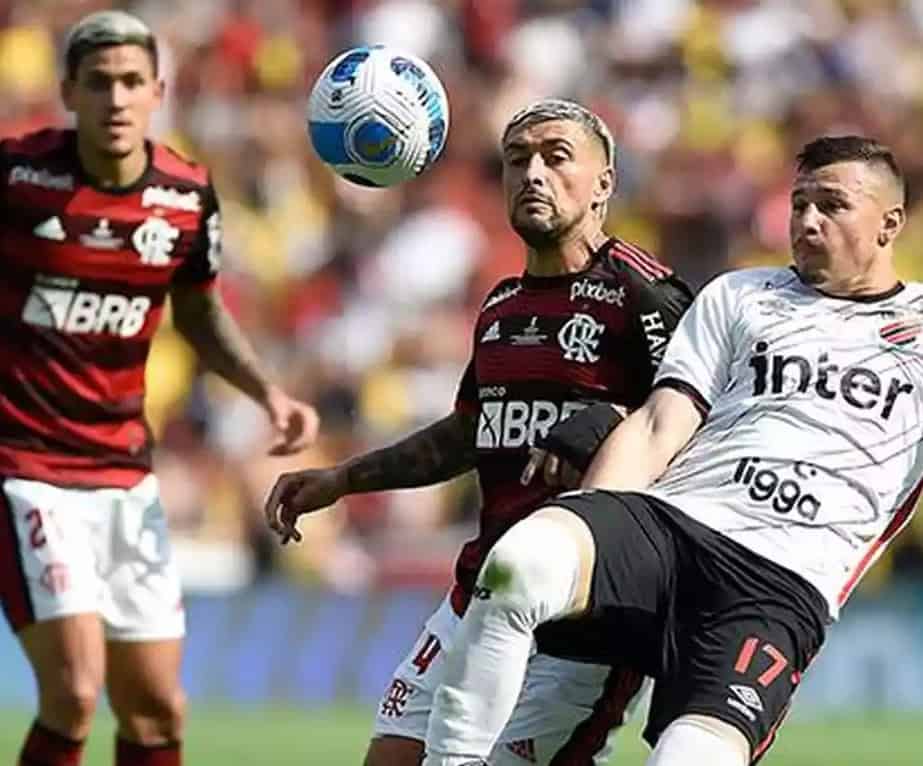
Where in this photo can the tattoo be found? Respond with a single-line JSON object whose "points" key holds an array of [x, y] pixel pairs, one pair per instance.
{"points": [[437, 453], [202, 319]]}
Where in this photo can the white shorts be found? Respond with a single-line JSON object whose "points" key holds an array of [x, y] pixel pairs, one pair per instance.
{"points": [[70, 551], [565, 707]]}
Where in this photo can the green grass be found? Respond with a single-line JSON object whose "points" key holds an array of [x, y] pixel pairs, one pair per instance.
{"points": [[337, 737]]}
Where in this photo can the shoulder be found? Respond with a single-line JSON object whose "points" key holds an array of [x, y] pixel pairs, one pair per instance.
{"points": [[626, 257], [503, 290], [35, 146], [179, 169], [750, 280]]}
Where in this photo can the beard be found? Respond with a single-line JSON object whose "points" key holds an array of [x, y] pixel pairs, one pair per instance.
{"points": [[539, 233]]}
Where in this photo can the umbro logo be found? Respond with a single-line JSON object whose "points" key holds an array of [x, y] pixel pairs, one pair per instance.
{"points": [[492, 333], [746, 700], [51, 229]]}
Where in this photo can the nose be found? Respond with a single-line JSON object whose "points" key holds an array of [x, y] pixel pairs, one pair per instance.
{"points": [[118, 95], [535, 171], [810, 219]]}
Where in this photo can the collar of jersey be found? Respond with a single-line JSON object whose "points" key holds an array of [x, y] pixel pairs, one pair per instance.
{"points": [[872, 298], [87, 180], [543, 283]]}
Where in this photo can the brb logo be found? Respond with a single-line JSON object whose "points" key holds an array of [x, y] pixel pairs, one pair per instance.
{"points": [[782, 493], [513, 424], [79, 312], [859, 387]]}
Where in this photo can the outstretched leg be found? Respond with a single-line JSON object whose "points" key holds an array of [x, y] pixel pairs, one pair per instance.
{"points": [[539, 570]]}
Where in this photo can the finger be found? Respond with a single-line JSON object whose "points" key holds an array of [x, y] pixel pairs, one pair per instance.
{"points": [[552, 470], [271, 505], [536, 456], [570, 476]]}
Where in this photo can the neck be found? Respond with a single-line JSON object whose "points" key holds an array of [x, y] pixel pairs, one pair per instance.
{"points": [[565, 257], [878, 279], [109, 171]]}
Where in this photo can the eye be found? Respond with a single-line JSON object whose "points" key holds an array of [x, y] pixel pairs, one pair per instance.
{"points": [[798, 206]]}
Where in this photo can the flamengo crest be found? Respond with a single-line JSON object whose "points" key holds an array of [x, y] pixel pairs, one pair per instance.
{"points": [[579, 337], [154, 240]]}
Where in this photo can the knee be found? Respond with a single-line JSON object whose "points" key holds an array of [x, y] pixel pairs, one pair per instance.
{"points": [[69, 704], [534, 564], [153, 718]]}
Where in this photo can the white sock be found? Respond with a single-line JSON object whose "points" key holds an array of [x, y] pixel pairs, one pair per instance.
{"points": [[696, 740], [529, 577]]}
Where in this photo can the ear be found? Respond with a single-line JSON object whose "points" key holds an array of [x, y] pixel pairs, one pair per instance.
{"points": [[67, 94], [160, 88], [605, 186], [892, 222]]}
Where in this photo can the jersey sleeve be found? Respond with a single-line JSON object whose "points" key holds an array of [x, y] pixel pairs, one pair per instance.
{"points": [[657, 306], [201, 264], [698, 358]]}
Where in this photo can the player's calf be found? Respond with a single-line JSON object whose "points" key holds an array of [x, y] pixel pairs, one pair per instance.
{"points": [[700, 739], [394, 751]]}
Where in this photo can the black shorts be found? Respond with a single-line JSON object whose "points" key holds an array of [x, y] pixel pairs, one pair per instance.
{"points": [[723, 631]]}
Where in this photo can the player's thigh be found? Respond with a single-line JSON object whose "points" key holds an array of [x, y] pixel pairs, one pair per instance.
{"points": [[631, 588], [67, 655], [567, 712], [740, 669], [403, 712], [143, 592], [48, 563]]}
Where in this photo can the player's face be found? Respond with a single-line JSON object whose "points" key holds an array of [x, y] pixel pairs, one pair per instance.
{"points": [[839, 214], [552, 173], [113, 95]]}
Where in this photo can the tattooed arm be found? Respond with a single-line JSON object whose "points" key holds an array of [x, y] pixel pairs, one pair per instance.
{"points": [[433, 454]]}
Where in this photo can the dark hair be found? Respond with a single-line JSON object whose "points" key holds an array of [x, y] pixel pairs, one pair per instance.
{"points": [[828, 150], [104, 29]]}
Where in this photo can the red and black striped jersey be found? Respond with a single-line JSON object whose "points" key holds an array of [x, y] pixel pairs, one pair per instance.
{"points": [[545, 347], [85, 275]]}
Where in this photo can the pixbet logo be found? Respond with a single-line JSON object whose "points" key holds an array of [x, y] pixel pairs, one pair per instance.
{"points": [[586, 289]]}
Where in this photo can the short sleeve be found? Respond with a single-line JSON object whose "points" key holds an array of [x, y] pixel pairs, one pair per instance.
{"points": [[698, 358], [201, 264]]}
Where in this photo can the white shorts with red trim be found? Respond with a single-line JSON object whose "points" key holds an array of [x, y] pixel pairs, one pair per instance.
{"points": [[69, 551], [568, 709]]}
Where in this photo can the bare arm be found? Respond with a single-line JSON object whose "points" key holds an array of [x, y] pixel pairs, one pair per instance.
{"points": [[202, 319], [436, 453], [639, 450], [433, 454]]}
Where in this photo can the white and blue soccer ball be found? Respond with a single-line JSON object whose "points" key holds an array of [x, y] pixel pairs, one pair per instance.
{"points": [[378, 116]]}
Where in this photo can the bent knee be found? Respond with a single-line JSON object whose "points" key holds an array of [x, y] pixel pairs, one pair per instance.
{"points": [[71, 701], [152, 719], [394, 751]]}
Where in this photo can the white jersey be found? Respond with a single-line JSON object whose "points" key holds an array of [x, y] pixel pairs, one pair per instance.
{"points": [[810, 452]]}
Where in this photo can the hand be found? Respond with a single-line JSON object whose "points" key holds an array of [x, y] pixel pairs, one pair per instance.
{"points": [[299, 492], [295, 422], [557, 471]]}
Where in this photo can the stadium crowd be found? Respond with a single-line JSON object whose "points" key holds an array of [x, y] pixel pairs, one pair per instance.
{"points": [[364, 299]]}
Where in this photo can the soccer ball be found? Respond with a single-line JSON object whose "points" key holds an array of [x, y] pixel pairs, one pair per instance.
{"points": [[378, 116]]}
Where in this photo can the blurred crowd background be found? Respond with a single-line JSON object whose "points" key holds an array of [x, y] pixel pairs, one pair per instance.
{"points": [[363, 300]]}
